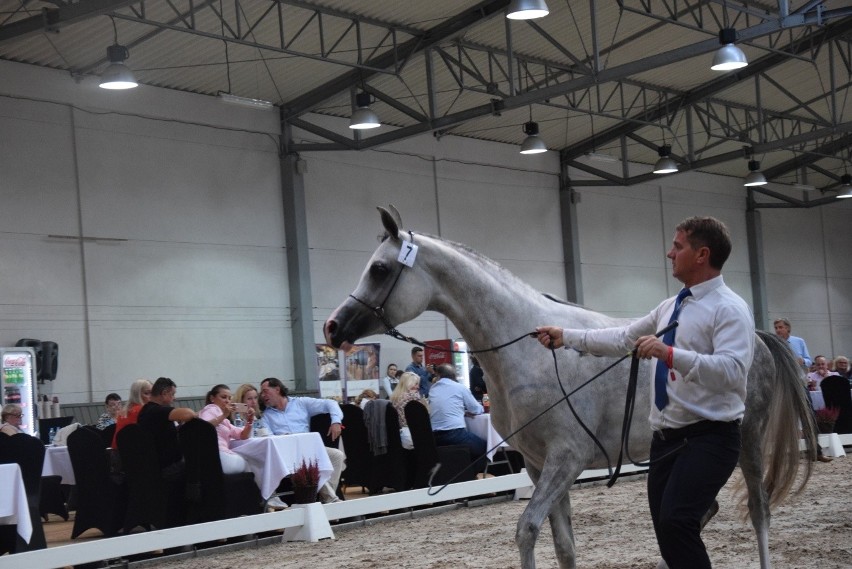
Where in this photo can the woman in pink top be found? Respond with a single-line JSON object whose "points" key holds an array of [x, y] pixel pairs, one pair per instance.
{"points": [[216, 412]]}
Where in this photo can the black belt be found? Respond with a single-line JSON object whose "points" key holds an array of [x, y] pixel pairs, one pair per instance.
{"points": [[695, 429]]}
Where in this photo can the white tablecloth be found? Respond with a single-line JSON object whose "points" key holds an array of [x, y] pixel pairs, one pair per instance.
{"points": [[276, 457], [13, 501], [480, 425], [57, 461]]}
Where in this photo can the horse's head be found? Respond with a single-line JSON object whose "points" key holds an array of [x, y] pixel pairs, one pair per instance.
{"points": [[390, 291]]}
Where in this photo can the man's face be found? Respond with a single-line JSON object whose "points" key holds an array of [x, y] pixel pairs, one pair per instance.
{"points": [[821, 366], [270, 395], [113, 407], [417, 358], [782, 330], [684, 259], [168, 396]]}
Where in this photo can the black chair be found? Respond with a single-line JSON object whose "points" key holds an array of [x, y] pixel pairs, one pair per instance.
{"points": [[52, 500], [101, 502], [152, 500], [28, 453], [211, 494], [107, 435], [836, 393], [321, 424], [456, 463], [358, 457]]}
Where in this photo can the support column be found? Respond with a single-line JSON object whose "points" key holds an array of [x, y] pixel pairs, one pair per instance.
{"points": [[568, 199], [755, 261], [298, 266]]}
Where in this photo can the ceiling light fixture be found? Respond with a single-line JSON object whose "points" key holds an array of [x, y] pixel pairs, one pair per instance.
{"points": [[755, 177], [533, 144], [364, 117], [527, 9], [245, 101], [665, 164], [846, 180], [117, 75], [729, 56]]}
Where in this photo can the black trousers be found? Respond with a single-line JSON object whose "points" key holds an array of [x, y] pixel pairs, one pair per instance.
{"points": [[688, 468]]}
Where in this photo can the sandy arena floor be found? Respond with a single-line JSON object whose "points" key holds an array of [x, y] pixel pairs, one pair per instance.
{"points": [[612, 528]]}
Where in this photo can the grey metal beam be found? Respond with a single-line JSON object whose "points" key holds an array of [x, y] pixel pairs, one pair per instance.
{"points": [[570, 239], [808, 158], [52, 19], [446, 29], [298, 268], [754, 233]]}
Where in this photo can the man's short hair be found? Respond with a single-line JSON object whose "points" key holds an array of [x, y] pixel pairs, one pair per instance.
{"points": [[416, 349], [784, 321], [112, 397], [277, 384], [446, 370], [162, 385], [711, 233]]}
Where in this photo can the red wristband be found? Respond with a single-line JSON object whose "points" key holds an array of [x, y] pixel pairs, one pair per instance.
{"points": [[670, 358]]}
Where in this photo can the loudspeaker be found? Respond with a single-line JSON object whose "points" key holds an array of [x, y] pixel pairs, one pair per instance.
{"points": [[49, 360], [37, 348]]}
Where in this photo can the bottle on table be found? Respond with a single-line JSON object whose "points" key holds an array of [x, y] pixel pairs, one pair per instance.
{"points": [[486, 403]]}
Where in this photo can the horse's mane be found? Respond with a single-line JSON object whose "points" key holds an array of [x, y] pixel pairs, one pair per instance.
{"points": [[492, 264]]}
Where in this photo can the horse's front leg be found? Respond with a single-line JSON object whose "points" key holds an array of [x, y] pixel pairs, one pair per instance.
{"points": [[551, 485], [563, 530]]}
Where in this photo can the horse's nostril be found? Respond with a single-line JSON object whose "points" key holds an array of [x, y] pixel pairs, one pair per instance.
{"points": [[330, 327]]}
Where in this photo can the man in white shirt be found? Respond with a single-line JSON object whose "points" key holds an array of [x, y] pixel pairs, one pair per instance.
{"points": [[449, 402], [699, 385], [284, 415]]}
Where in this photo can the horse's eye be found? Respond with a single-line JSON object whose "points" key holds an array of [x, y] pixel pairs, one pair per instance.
{"points": [[378, 270]]}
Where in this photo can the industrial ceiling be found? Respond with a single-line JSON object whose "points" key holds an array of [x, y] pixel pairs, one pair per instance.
{"points": [[604, 80]]}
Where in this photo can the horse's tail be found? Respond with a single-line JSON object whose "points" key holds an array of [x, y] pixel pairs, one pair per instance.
{"points": [[789, 409]]}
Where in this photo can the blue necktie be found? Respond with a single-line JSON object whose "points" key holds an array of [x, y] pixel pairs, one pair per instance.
{"points": [[661, 398]]}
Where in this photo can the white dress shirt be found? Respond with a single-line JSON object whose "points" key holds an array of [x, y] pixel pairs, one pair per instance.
{"points": [[448, 402], [713, 351]]}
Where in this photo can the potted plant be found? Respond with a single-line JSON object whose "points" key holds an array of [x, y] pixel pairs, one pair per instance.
{"points": [[826, 418], [305, 481]]}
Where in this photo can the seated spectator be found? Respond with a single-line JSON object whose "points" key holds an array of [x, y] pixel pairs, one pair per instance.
{"points": [[449, 402], [113, 410], [247, 393], [284, 415], [365, 397], [140, 394], [820, 372], [389, 381], [11, 417], [217, 413], [158, 418], [841, 367], [408, 389], [477, 380]]}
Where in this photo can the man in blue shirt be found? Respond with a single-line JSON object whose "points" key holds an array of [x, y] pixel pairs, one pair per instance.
{"points": [[285, 415], [416, 366], [800, 349], [449, 402]]}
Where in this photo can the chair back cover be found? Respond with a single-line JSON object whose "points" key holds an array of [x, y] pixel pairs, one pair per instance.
{"points": [[836, 393], [321, 424], [28, 453], [453, 458], [358, 457], [147, 502], [101, 503]]}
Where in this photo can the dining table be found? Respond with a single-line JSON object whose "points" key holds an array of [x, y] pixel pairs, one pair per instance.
{"points": [[275, 457], [14, 508], [57, 462], [480, 425]]}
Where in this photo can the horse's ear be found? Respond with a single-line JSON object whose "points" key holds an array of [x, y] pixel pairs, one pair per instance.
{"points": [[391, 221]]}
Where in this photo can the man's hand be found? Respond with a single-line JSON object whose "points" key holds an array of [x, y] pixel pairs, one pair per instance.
{"points": [[550, 336], [648, 347], [334, 431]]}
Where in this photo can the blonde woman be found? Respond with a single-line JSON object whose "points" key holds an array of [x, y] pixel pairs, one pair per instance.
{"points": [[408, 389], [248, 394], [140, 394]]}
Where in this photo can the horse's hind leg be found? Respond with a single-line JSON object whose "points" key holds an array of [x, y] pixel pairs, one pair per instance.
{"points": [[751, 463]]}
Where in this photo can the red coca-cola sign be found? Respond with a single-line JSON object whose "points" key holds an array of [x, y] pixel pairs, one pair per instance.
{"points": [[438, 352], [14, 361]]}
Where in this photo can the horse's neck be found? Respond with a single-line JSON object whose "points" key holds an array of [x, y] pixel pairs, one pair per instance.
{"points": [[480, 299]]}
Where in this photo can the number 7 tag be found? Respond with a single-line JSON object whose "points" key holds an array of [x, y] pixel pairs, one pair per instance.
{"points": [[407, 253]]}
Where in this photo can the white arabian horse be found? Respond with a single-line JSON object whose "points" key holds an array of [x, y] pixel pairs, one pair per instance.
{"points": [[490, 306]]}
